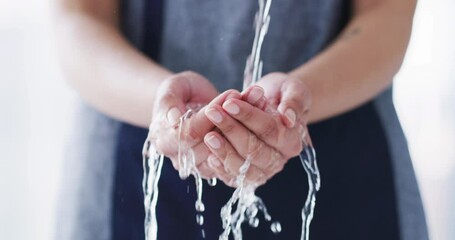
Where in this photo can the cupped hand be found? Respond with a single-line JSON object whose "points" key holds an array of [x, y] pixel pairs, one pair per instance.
{"points": [[175, 95], [265, 124]]}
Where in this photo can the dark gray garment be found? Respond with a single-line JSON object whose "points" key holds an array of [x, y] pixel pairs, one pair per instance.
{"points": [[85, 198], [214, 38]]}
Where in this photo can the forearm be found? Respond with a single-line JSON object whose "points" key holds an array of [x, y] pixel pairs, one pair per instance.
{"points": [[105, 69], [362, 61]]}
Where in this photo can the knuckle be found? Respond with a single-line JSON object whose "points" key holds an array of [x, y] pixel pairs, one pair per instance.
{"points": [[165, 98], [278, 75], [294, 149], [160, 147], [229, 163], [164, 148], [189, 74], [247, 115], [204, 170], [194, 135], [275, 161], [297, 104], [232, 182], [232, 93], [280, 166], [220, 153], [254, 147], [223, 176], [269, 130], [170, 81], [275, 167], [262, 178], [201, 154], [256, 175], [227, 128]]}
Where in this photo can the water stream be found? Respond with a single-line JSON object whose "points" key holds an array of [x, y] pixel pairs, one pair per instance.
{"points": [[244, 205]]}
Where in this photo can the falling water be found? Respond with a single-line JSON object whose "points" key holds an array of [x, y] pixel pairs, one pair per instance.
{"points": [[248, 205], [308, 159], [152, 163]]}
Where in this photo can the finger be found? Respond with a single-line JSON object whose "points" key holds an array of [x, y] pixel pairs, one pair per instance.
{"points": [[254, 95], [230, 159], [173, 93], [266, 126], [271, 83], [205, 171], [193, 127], [295, 102], [215, 164], [237, 134], [242, 139], [166, 143], [201, 153], [199, 124], [228, 94]]}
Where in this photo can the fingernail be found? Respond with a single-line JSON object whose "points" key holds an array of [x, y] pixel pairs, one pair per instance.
{"points": [[214, 142], [173, 115], [290, 115], [214, 115], [255, 94], [214, 162], [231, 108]]}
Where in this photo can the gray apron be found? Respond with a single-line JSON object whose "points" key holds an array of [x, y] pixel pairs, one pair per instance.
{"points": [[369, 190]]}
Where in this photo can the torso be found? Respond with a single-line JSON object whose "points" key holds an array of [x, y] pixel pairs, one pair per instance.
{"points": [[357, 199]]}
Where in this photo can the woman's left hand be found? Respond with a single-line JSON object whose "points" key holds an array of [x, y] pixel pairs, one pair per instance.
{"points": [[266, 125]]}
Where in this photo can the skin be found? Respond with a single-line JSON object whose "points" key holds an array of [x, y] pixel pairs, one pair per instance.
{"points": [[128, 86]]}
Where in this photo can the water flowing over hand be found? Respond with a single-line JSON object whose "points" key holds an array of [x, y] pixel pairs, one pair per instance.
{"points": [[177, 94], [265, 123]]}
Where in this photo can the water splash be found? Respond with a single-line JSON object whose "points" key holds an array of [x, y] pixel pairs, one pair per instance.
{"points": [[187, 160], [247, 204], [212, 182], [275, 227], [152, 165]]}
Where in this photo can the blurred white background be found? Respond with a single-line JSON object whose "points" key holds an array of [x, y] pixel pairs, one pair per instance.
{"points": [[36, 114]]}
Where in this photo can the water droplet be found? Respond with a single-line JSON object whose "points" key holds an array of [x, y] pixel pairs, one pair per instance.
{"points": [[212, 182], [254, 222], [252, 211], [275, 227], [200, 206], [200, 219]]}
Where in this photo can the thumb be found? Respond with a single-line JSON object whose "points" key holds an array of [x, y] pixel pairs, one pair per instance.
{"points": [[294, 103]]}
